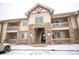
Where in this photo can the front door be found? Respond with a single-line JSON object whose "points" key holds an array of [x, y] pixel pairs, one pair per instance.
{"points": [[40, 35]]}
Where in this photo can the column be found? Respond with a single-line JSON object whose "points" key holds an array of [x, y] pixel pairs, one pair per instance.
{"points": [[72, 27], [18, 35], [31, 35], [78, 26], [4, 32], [78, 21], [0, 31], [48, 34]]}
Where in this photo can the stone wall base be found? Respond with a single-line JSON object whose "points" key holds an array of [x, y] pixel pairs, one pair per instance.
{"points": [[48, 42], [61, 42], [22, 42]]}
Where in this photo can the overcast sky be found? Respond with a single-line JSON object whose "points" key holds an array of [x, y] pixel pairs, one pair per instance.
{"points": [[16, 8]]}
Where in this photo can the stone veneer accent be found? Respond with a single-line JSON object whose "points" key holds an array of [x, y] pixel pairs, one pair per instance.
{"points": [[31, 38]]}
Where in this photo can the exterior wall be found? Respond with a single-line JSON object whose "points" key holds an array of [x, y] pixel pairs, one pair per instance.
{"points": [[45, 24], [73, 23], [60, 40], [23, 28], [0, 31], [78, 27], [19, 40], [33, 25], [46, 18], [0, 28], [73, 27], [31, 37], [48, 31], [4, 31], [78, 20]]}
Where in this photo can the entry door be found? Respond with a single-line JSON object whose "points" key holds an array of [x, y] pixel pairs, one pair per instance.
{"points": [[40, 35]]}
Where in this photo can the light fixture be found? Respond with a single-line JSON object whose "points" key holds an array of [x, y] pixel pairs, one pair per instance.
{"points": [[48, 34], [30, 34]]}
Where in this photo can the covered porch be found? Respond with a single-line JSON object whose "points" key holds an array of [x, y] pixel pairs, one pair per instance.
{"points": [[61, 36]]}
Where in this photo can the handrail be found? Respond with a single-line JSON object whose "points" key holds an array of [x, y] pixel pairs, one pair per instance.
{"points": [[63, 24], [12, 27]]}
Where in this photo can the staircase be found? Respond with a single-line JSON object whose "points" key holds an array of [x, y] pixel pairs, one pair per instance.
{"points": [[40, 37], [40, 44]]}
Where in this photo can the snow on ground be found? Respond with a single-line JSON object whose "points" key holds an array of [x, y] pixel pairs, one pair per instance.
{"points": [[42, 53], [63, 49], [48, 47]]}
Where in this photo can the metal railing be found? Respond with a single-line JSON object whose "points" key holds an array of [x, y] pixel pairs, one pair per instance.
{"points": [[12, 28], [57, 25]]}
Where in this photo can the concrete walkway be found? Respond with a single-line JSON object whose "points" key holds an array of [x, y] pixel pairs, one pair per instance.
{"points": [[69, 47]]}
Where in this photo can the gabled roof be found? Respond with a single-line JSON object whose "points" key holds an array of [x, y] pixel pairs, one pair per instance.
{"points": [[65, 14], [43, 6], [16, 19]]}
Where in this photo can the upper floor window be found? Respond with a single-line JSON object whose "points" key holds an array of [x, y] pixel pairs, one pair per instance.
{"points": [[24, 22], [39, 19]]}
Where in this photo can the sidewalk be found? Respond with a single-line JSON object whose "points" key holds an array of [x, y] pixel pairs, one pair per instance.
{"points": [[63, 47]]}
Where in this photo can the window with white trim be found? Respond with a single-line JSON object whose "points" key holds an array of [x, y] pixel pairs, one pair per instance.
{"points": [[24, 23], [39, 19], [61, 34]]}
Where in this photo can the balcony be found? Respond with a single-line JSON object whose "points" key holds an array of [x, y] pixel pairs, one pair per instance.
{"points": [[12, 28], [59, 25]]}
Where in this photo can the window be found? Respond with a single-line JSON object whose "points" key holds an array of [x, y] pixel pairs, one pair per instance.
{"points": [[61, 34], [24, 23], [39, 19], [11, 36], [23, 35]]}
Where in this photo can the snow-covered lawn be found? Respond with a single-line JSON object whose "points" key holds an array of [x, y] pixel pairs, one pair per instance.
{"points": [[68, 49], [48, 47], [23, 52]]}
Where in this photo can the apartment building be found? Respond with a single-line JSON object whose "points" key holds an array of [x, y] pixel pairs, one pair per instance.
{"points": [[41, 26]]}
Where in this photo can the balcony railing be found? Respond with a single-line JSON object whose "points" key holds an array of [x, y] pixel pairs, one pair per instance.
{"points": [[12, 28], [57, 25]]}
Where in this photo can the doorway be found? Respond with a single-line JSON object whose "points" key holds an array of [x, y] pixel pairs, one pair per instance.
{"points": [[40, 35]]}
